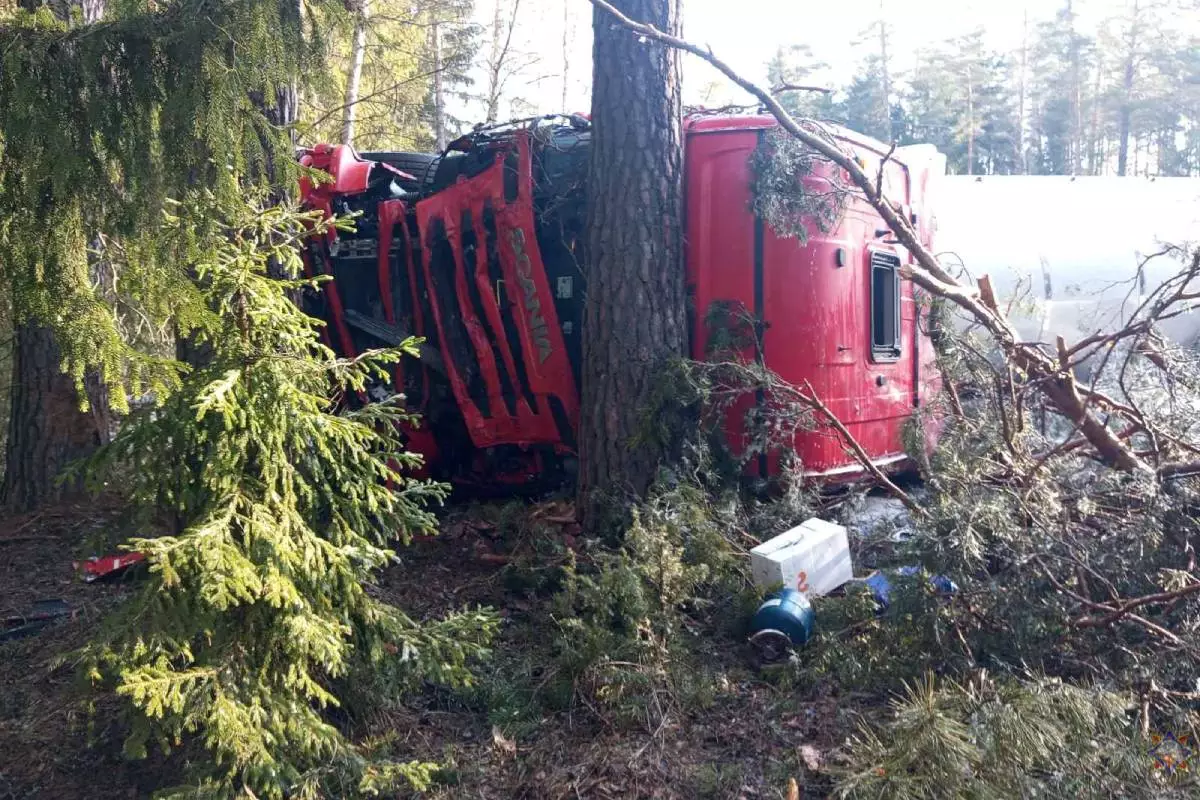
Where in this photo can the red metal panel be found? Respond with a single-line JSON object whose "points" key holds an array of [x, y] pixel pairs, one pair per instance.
{"points": [[392, 214], [816, 315], [349, 174], [720, 243], [530, 303]]}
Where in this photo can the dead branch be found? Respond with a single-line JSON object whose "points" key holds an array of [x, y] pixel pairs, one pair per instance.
{"points": [[1123, 608], [1094, 606], [794, 87], [1058, 385]]}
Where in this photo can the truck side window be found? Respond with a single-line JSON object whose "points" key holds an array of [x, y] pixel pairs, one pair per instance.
{"points": [[885, 306]]}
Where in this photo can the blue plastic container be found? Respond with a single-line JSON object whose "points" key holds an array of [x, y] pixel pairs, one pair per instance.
{"points": [[785, 614]]}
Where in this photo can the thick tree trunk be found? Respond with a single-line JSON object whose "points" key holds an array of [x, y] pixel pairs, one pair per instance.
{"points": [[46, 429], [635, 315]]}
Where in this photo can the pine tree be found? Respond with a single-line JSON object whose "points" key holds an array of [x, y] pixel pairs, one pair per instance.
{"points": [[451, 44], [1061, 61], [257, 614], [862, 107], [635, 322]]}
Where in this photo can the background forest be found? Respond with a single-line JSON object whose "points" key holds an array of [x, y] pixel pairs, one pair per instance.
{"points": [[1096, 88]]}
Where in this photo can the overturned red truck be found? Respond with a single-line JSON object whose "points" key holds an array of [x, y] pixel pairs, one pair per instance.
{"points": [[481, 251]]}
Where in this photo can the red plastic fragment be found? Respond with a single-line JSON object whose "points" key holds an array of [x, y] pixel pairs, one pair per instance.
{"points": [[101, 566]]}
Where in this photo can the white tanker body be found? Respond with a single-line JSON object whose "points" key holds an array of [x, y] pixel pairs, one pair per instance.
{"points": [[1072, 246]]}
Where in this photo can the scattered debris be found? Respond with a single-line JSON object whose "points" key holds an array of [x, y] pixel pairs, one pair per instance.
{"points": [[813, 557], [98, 567], [881, 587], [43, 614], [811, 757], [872, 515]]}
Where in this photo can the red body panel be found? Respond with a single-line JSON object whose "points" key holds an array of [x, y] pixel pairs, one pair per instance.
{"points": [[512, 416], [815, 314]]}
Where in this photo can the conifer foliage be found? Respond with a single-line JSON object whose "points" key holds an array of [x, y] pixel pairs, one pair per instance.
{"points": [[259, 608]]}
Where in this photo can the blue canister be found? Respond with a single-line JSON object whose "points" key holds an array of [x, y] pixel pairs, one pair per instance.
{"points": [[785, 614]]}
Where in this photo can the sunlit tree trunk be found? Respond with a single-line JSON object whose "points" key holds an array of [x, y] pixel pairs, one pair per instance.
{"points": [[440, 136], [358, 54]]}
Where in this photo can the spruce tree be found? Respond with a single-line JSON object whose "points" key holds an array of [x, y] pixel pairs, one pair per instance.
{"points": [[259, 610]]}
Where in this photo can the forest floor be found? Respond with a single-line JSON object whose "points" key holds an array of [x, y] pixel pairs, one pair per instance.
{"points": [[743, 736]]}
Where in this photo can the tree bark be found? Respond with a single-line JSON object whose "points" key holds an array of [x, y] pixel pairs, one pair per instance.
{"points": [[1126, 110], [635, 316], [358, 54], [440, 135], [47, 430]]}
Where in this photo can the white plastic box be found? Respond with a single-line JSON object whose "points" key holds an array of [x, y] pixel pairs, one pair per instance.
{"points": [[813, 557]]}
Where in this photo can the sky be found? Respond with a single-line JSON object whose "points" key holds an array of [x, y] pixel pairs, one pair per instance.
{"points": [[745, 33]]}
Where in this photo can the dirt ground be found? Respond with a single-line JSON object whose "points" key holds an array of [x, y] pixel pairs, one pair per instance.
{"points": [[745, 741]]}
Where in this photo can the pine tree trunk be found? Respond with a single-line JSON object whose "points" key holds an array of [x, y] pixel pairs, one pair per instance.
{"points": [[635, 315], [46, 428], [1126, 111]]}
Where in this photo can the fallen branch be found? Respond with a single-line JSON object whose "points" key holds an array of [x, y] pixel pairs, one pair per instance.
{"points": [[1127, 606], [1115, 614]]}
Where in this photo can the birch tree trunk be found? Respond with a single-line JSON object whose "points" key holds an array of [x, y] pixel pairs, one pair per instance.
{"points": [[358, 53]]}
